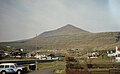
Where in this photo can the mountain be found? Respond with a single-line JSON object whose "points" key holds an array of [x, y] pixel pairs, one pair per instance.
{"points": [[69, 37], [65, 30]]}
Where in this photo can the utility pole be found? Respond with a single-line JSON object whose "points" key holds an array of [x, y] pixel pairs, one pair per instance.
{"points": [[36, 42], [36, 50]]}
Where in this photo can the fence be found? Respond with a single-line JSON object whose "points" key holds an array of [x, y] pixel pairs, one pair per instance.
{"points": [[78, 71], [114, 71]]}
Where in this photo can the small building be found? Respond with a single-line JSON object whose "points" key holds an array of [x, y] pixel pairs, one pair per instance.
{"points": [[93, 54], [42, 57], [117, 58], [111, 53], [114, 53]]}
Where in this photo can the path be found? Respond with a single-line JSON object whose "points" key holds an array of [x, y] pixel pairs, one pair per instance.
{"points": [[43, 71]]}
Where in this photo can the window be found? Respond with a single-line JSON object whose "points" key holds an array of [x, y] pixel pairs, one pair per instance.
{"points": [[1, 66], [6, 66], [12, 66]]}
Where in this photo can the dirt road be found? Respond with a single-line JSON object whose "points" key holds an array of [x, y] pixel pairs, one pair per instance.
{"points": [[43, 71]]}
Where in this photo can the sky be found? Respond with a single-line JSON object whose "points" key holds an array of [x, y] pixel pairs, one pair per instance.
{"points": [[23, 19]]}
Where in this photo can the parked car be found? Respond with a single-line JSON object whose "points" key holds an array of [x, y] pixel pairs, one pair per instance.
{"points": [[6, 68]]}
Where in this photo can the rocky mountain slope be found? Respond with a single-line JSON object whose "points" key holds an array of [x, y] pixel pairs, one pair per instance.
{"points": [[69, 37]]}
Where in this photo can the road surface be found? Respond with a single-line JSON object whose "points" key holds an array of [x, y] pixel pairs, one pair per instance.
{"points": [[43, 71]]}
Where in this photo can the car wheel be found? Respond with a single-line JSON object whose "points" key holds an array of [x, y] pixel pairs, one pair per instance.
{"points": [[18, 72], [3, 72]]}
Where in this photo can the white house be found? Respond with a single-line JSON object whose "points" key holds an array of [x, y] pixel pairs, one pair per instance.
{"points": [[117, 58], [111, 53], [115, 54], [117, 51], [41, 57]]}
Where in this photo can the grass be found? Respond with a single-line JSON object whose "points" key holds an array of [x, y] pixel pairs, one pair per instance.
{"points": [[99, 69], [45, 65], [59, 72], [58, 65]]}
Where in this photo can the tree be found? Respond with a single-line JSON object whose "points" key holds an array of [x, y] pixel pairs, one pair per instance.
{"points": [[1, 54]]}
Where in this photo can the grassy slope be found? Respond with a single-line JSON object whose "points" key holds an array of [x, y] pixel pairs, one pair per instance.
{"points": [[79, 41], [84, 41]]}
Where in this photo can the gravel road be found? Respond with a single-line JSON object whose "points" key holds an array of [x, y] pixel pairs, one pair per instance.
{"points": [[43, 71]]}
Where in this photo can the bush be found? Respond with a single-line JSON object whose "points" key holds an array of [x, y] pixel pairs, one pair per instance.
{"points": [[75, 65], [71, 59]]}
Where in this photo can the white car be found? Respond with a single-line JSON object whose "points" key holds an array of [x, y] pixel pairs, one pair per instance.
{"points": [[11, 68]]}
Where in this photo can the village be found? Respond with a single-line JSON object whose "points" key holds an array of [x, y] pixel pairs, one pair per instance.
{"points": [[91, 58], [56, 54]]}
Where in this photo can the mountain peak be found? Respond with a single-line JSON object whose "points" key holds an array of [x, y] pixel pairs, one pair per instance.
{"points": [[65, 30], [72, 28], [68, 26]]}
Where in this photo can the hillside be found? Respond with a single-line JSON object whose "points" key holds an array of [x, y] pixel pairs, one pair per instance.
{"points": [[65, 30], [69, 37]]}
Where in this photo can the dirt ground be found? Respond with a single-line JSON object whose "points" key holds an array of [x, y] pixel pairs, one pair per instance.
{"points": [[43, 71]]}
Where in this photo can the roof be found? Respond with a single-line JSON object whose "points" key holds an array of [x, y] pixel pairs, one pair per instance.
{"points": [[7, 63], [118, 49]]}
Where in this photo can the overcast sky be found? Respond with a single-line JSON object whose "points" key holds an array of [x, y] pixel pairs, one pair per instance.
{"points": [[23, 19]]}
